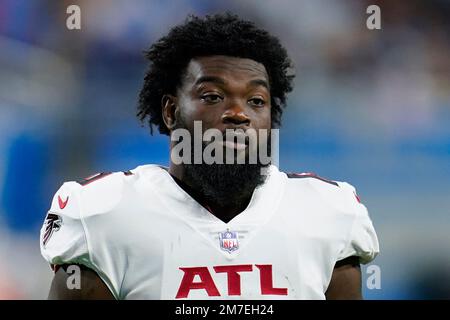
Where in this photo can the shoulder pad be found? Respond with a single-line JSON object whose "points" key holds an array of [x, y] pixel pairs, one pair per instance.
{"points": [[94, 195], [101, 193]]}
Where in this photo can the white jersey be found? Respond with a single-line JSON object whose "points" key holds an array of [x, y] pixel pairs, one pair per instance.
{"points": [[149, 239]]}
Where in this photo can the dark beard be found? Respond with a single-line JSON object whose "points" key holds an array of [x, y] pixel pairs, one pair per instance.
{"points": [[222, 183]]}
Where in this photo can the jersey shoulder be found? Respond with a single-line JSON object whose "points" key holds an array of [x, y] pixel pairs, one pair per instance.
{"points": [[96, 194], [342, 199], [101, 192], [341, 195]]}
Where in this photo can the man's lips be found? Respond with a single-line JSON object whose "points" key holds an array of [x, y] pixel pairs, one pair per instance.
{"points": [[235, 140], [233, 145]]}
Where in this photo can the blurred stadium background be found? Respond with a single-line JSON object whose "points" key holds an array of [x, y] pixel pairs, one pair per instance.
{"points": [[369, 107]]}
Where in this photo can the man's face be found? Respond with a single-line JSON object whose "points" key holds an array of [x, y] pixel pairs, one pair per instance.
{"points": [[225, 93]]}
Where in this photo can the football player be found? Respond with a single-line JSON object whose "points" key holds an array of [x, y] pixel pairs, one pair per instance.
{"points": [[198, 230]]}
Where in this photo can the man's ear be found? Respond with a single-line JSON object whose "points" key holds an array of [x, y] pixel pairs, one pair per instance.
{"points": [[169, 105]]}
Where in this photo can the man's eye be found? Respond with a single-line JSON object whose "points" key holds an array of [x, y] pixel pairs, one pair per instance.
{"points": [[257, 102], [211, 98]]}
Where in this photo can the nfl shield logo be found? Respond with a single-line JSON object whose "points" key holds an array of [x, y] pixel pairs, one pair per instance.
{"points": [[228, 241]]}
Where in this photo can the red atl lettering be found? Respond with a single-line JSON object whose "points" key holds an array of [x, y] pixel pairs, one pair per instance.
{"points": [[206, 282], [265, 272], [234, 278]]}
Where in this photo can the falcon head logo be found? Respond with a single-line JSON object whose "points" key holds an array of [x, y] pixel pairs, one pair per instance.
{"points": [[52, 223]]}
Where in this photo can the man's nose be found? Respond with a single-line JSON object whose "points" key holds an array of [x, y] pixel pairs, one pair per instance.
{"points": [[236, 115]]}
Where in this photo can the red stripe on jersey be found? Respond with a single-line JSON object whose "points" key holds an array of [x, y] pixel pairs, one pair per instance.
{"points": [[93, 178], [311, 175]]}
